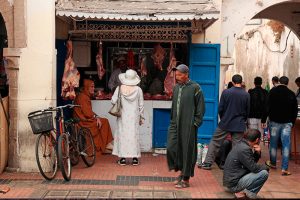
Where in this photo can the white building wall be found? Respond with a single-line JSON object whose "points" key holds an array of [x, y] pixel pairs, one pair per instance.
{"points": [[36, 74], [235, 16], [259, 55]]}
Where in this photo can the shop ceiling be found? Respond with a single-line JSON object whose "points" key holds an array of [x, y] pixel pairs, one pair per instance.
{"points": [[136, 20]]}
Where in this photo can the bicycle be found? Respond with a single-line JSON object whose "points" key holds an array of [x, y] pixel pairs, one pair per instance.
{"points": [[41, 122], [50, 151]]}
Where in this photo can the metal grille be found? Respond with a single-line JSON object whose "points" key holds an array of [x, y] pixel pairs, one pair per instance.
{"points": [[108, 32]]}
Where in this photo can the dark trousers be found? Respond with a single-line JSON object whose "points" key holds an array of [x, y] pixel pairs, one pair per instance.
{"points": [[216, 141], [223, 152]]}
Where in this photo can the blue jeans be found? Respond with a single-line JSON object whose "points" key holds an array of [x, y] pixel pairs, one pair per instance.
{"points": [[282, 131], [251, 183]]}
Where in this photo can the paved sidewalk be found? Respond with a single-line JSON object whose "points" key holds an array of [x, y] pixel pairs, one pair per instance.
{"points": [[151, 179]]}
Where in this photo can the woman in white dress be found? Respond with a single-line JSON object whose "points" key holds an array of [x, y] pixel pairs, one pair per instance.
{"points": [[126, 138]]}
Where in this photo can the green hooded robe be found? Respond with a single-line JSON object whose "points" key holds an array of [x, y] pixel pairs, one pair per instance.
{"points": [[186, 116]]}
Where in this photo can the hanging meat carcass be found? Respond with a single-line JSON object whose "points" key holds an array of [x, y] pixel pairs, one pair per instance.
{"points": [[158, 56], [99, 62], [143, 68], [71, 76], [130, 60], [170, 78]]}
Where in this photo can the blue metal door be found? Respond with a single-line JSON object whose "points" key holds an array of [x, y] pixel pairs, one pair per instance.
{"points": [[205, 70], [161, 121]]}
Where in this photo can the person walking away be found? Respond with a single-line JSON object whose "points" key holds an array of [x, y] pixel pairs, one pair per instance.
{"points": [[234, 108], [258, 105], [275, 81], [126, 144], [282, 114], [186, 117], [242, 175], [99, 127]]}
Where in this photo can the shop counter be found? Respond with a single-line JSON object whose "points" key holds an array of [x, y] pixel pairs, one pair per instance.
{"points": [[101, 108]]}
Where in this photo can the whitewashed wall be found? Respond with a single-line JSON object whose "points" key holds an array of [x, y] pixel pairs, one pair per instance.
{"points": [[37, 75], [253, 56], [101, 107]]}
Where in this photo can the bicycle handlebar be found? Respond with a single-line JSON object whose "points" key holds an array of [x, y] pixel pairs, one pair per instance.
{"points": [[53, 109]]}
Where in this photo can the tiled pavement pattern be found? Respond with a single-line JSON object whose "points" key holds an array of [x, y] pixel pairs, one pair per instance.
{"points": [[106, 194], [151, 179]]}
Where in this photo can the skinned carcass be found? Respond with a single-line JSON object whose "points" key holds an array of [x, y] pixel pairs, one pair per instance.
{"points": [[158, 56], [170, 77], [143, 68], [99, 62], [71, 76], [130, 59]]}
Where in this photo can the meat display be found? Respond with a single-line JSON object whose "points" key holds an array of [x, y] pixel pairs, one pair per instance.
{"points": [[158, 56], [170, 77], [99, 61], [101, 95], [71, 76]]}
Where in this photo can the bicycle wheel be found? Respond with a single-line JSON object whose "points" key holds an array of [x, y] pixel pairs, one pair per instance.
{"points": [[64, 156], [74, 155], [46, 156], [73, 148], [86, 146]]}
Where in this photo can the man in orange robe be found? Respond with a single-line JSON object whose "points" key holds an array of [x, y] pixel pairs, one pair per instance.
{"points": [[99, 127]]}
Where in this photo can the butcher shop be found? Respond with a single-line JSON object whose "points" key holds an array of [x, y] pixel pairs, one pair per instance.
{"points": [[101, 39]]}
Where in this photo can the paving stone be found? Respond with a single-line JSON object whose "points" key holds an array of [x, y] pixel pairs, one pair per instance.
{"points": [[76, 197], [26, 183], [225, 194], [54, 197], [182, 195], [121, 194], [144, 194], [38, 194], [99, 194], [58, 193], [79, 193], [163, 195]]}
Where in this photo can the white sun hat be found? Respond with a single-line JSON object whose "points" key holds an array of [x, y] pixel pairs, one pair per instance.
{"points": [[130, 77]]}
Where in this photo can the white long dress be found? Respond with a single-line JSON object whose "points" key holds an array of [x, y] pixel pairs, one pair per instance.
{"points": [[126, 138]]}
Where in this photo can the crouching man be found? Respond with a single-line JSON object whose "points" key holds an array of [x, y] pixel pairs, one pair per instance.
{"points": [[242, 175]]}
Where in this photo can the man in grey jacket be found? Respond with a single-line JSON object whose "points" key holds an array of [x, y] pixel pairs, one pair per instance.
{"points": [[242, 175]]}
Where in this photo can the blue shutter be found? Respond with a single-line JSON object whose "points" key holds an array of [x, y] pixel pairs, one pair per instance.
{"points": [[205, 70]]}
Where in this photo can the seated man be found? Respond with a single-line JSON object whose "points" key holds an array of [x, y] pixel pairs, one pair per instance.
{"points": [[242, 175], [99, 127]]}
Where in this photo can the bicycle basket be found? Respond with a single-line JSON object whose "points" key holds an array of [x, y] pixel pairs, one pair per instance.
{"points": [[41, 122]]}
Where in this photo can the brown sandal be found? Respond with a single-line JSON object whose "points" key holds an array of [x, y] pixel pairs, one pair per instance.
{"points": [[182, 184], [178, 179]]}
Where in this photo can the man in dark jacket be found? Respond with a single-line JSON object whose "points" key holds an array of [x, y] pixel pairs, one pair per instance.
{"points": [[258, 104], [234, 108], [242, 175], [282, 114], [186, 116]]}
